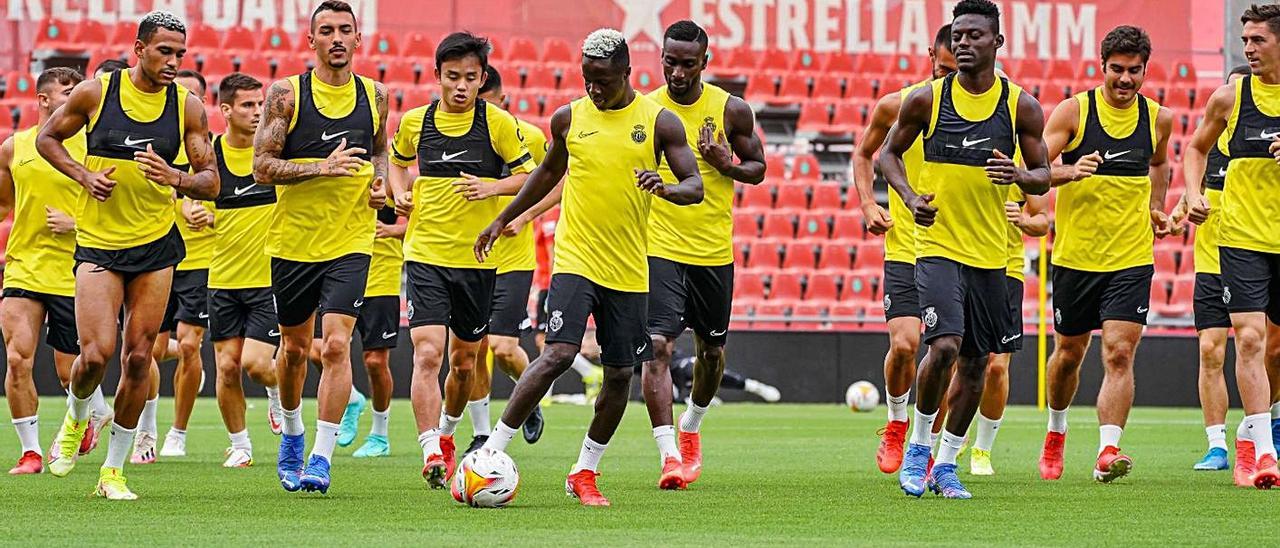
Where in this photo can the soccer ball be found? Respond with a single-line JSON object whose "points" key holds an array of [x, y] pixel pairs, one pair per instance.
{"points": [[862, 396], [486, 479]]}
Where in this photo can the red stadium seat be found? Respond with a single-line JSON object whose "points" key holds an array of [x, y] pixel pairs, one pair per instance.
{"points": [[19, 86], [806, 166], [123, 32], [398, 72], [774, 61], [869, 259], [417, 46], [765, 254], [540, 78], [1165, 262], [872, 65], [215, 64], [848, 226], [792, 196], [757, 196], [835, 256], [761, 87], [778, 224], [814, 225], [93, 33], [837, 63], [56, 34], [825, 196], [741, 246], [804, 61], [739, 62], [856, 288], [768, 309], [741, 310], [822, 286], [748, 284], [521, 51], [785, 286], [799, 255], [522, 106], [1187, 266], [815, 117], [558, 52], [202, 38], [794, 89], [1159, 293], [775, 167], [274, 39], [808, 311], [236, 39], [257, 66], [6, 121], [646, 80], [847, 119], [827, 87], [745, 225]]}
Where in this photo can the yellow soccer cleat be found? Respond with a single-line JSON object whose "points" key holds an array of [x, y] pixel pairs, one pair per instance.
{"points": [[111, 485], [66, 446], [593, 383], [980, 463]]}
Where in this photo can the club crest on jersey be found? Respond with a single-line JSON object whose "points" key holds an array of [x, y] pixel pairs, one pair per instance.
{"points": [[709, 123], [638, 135], [556, 321], [930, 317]]}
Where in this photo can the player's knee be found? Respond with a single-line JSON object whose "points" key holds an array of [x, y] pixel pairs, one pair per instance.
{"points": [[1211, 353], [997, 370], [294, 354], [506, 350], [189, 347], [19, 359], [376, 363], [946, 349], [617, 379], [902, 346], [1249, 341], [661, 349], [427, 355], [335, 348], [1119, 355], [94, 355], [557, 358], [229, 371], [712, 354], [137, 364]]}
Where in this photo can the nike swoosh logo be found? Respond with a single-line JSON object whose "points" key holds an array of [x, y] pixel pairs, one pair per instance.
{"points": [[478, 330], [1007, 340], [240, 191], [1109, 156], [25, 162], [1143, 309], [967, 143], [359, 303], [325, 136], [130, 141], [718, 333], [203, 315], [386, 335], [445, 156], [585, 134], [641, 349], [1222, 172], [1266, 135], [273, 333]]}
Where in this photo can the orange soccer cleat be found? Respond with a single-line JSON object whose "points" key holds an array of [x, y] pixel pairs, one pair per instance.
{"points": [[1051, 455], [1112, 465], [435, 472], [1243, 471], [30, 463], [582, 486], [690, 455], [672, 475], [1265, 474], [889, 455], [450, 453]]}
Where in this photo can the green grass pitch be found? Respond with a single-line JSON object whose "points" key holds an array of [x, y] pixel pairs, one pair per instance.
{"points": [[774, 474]]}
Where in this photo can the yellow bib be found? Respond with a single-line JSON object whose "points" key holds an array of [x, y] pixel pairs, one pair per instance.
{"points": [[1250, 214], [516, 254], [37, 259], [199, 243], [240, 235], [1207, 237]]}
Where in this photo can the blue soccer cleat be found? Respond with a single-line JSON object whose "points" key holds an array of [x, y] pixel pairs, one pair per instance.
{"points": [[289, 461], [1215, 459], [945, 482], [1275, 430], [914, 467], [350, 420], [374, 446], [316, 476]]}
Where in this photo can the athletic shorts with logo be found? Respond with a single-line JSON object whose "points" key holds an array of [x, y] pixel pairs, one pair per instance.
{"points": [[1251, 281], [188, 300], [901, 297], [510, 312], [1014, 289], [542, 310], [697, 297], [60, 318], [459, 298], [967, 302], [620, 318], [379, 322], [243, 313], [165, 252], [333, 286], [1209, 309], [1082, 300]]}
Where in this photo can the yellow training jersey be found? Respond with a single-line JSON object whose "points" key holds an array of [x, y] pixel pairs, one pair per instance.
{"points": [[699, 234], [37, 259], [128, 120], [602, 232], [387, 262], [516, 254], [1208, 237], [483, 142], [1250, 215], [1104, 221], [241, 221], [1017, 254], [900, 241], [323, 218], [199, 243]]}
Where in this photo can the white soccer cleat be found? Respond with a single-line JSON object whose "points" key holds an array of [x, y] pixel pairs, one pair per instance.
{"points": [[111, 485], [275, 417], [238, 457], [144, 448], [174, 446], [769, 393]]}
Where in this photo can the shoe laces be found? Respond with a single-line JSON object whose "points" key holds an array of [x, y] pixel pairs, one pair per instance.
{"points": [[917, 461], [947, 479], [585, 482]]}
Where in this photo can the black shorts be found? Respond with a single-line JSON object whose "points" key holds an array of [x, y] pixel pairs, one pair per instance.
{"points": [[60, 318], [165, 252], [1082, 300], [300, 289], [188, 300], [542, 310], [1251, 281], [379, 322], [510, 311], [459, 298], [901, 297], [247, 313], [1209, 308], [967, 302], [1014, 291], [620, 319], [697, 297]]}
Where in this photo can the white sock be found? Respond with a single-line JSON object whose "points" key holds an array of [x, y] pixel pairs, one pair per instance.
{"points": [[1217, 435], [273, 395], [949, 448], [355, 396], [1259, 426], [1275, 410], [922, 430], [120, 445], [582, 365], [987, 430], [589, 456], [1058, 420], [448, 425], [1242, 432], [897, 405], [380, 419], [666, 438], [691, 419], [933, 439], [79, 408], [500, 437], [240, 440], [176, 433], [99, 403], [326, 439], [479, 411], [292, 422], [430, 443], [1108, 436], [29, 433], [147, 421]]}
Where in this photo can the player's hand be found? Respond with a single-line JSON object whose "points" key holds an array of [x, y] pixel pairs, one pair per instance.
{"points": [[99, 183], [715, 149], [877, 219], [404, 203], [1013, 213], [342, 161], [1160, 223], [1178, 218], [155, 169], [472, 188], [923, 210], [1001, 169], [486, 239], [514, 227], [1274, 149], [1197, 208], [1086, 166], [57, 221], [383, 230], [198, 217], [649, 181], [377, 194]]}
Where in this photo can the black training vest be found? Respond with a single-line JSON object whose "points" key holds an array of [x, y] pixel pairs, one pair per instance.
{"points": [[1254, 131], [316, 136], [1125, 157], [956, 140], [117, 136], [387, 215], [238, 191], [1215, 169], [440, 155]]}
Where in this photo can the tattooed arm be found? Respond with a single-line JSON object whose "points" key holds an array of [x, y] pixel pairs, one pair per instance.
{"points": [[201, 183], [268, 143], [378, 189]]}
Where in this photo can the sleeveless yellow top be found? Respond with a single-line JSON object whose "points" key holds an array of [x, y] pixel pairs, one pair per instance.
{"points": [[37, 259], [516, 254], [238, 260], [900, 241], [1250, 214]]}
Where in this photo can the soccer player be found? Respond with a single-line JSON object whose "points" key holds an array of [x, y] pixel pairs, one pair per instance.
{"points": [[901, 302], [460, 143], [1112, 183], [691, 248], [683, 369], [1237, 124], [611, 143], [972, 123], [322, 143], [39, 286], [138, 120]]}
